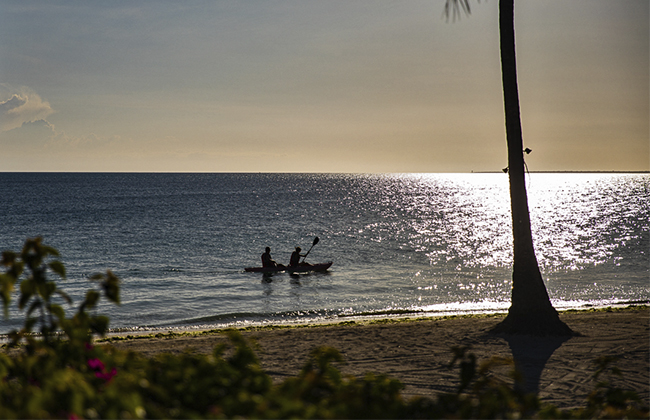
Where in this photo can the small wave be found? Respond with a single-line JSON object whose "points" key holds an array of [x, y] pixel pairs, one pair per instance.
{"points": [[254, 316]]}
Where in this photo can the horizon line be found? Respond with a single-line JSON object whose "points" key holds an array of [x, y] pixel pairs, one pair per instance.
{"points": [[334, 172]]}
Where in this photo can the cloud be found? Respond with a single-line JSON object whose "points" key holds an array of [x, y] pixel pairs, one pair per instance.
{"points": [[41, 139], [38, 125], [29, 136], [21, 106]]}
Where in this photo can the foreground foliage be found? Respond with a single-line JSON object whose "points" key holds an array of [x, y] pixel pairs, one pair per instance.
{"points": [[62, 374]]}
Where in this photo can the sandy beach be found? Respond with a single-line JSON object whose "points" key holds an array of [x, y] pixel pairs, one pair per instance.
{"points": [[417, 352]]}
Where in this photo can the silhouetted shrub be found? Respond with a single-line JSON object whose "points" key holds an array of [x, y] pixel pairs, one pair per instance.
{"points": [[60, 373]]}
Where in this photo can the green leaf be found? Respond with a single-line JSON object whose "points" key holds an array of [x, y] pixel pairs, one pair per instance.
{"points": [[16, 269], [8, 258], [99, 324], [57, 311], [27, 290], [6, 300], [64, 295], [29, 323], [46, 289], [112, 287], [97, 277], [6, 363], [24, 298], [6, 287], [92, 297], [7, 281], [58, 267], [48, 250], [28, 286], [34, 306]]}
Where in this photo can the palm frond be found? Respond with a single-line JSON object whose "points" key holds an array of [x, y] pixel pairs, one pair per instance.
{"points": [[456, 8]]}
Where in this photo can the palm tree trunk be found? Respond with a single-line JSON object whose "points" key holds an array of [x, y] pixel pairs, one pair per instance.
{"points": [[531, 311]]}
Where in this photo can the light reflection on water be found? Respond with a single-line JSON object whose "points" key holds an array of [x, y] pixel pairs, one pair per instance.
{"points": [[577, 220], [586, 227], [583, 219]]}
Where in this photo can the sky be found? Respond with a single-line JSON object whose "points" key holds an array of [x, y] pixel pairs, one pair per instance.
{"points": [[318, 86]]}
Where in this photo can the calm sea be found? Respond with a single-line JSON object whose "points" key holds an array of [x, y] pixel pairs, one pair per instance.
{"points": [[428, 244]]}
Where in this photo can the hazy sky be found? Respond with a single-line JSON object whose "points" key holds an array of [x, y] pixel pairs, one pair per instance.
{"points": [[318, 86]]}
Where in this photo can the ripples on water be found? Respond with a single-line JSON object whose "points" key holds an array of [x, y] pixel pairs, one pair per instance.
{"points": [[400, 242]]}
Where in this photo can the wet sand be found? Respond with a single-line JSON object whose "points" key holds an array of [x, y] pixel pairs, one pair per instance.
{"points": [[417, 352]]}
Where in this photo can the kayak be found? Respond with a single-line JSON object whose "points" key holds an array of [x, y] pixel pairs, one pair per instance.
{"points": [[299, 269]]}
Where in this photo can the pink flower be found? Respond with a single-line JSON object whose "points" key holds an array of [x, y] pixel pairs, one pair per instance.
{"points": [[100, 369], [96, 364], [107, 376]]}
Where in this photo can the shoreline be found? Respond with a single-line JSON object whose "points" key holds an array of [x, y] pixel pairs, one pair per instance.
{"points": [[361, 318], [417, 350]]}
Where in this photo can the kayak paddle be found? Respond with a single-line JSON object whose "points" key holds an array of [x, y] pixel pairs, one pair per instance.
{"points": [[312, 245]]}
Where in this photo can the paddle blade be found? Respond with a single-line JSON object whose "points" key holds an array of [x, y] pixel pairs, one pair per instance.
{"points": [[315, 241]]}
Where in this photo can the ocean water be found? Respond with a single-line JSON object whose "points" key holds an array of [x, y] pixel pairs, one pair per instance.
{"points": [[427, 244]]}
